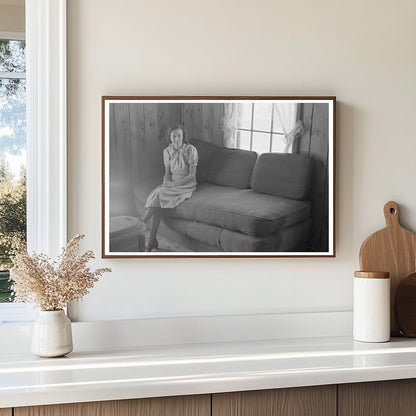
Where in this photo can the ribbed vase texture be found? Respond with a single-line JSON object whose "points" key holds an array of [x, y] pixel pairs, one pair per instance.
{"points": [[52, 334]]}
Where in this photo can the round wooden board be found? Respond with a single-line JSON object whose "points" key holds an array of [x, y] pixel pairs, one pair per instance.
{"points": [[405, 306]]}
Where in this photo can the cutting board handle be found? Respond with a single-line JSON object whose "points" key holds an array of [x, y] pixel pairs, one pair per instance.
{"points": [[391, 214]]}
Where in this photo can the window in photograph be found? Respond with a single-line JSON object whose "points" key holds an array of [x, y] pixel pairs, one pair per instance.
{"points": [[259, 128], [12, 156]]}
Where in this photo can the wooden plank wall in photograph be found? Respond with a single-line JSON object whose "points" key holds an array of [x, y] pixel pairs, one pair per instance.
{"points": [[137, 139], [204, 122], [314, 142]]}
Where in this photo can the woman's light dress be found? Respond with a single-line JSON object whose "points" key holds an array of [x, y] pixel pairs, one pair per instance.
{"points": [[178, 163]]}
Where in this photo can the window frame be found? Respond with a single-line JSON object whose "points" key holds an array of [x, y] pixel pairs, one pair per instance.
{"points": [[46, 117], [12, 35], [46, 125]]}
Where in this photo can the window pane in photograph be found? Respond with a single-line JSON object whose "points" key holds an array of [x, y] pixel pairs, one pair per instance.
{"points": [[277, 123], [261, 142], [12, 56], [244, 116], [12, 157], [262, 116], [278, 144], [243, 140]]}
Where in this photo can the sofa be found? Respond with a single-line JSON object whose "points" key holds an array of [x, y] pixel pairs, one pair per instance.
{"points": [[243, 202]]}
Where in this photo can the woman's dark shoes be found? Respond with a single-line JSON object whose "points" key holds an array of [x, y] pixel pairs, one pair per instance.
{"points": [[153, 245]]}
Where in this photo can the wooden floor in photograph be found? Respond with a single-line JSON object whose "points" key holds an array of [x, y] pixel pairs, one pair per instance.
{"points": [[166, 244]]}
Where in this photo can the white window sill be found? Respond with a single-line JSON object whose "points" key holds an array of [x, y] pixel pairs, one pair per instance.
{"points": [[154, 371], [16, 314]]}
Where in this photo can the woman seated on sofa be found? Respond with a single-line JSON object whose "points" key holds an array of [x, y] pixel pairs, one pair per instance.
{"points": [[179, 182]]}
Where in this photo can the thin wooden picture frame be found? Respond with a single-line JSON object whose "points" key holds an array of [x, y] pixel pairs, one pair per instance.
{"points": [[265, 176]]}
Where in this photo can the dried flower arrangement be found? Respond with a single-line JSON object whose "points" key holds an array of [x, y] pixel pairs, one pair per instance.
{"points": [[52, 285]]}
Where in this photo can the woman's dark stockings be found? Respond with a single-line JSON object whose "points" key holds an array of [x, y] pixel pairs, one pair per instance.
{"points": [[157, 214]]}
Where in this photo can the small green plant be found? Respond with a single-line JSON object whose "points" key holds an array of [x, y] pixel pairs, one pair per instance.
{"points": [[6, 294]]}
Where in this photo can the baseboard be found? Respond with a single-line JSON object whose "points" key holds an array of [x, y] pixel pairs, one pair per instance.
{"points": [[110, 335]]}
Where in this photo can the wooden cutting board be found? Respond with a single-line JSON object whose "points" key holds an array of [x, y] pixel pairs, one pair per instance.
{"points": [[393, 250]]}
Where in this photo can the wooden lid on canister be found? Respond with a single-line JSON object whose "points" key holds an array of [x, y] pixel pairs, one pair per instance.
{"points": [[372, 275]]}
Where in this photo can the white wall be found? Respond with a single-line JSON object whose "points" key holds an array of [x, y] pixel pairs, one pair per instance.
{"points": [[361, 51]]}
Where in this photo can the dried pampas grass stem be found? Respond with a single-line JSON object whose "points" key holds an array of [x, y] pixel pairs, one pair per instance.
{"points": [[53, 285]]}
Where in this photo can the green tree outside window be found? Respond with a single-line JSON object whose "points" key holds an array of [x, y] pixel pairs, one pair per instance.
{"points": [[12, 151]]}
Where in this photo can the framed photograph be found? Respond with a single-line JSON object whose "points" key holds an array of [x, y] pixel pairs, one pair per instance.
{"points": [[218, 177]]}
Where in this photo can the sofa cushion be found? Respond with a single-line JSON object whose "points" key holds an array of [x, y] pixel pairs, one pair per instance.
{"points": [[210, 238], [205, 153], [207, 234], [282, 174], [231, 167], [241, 210], [292, 238]]}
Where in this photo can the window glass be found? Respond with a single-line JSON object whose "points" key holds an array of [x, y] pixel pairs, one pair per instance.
{"points": [[12, 156], [262, 118], [12, 55], [244, 139], [261, 142], [278, 144]]}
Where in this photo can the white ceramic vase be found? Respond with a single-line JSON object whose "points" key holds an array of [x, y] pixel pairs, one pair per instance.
{"points": [[52, 334]]}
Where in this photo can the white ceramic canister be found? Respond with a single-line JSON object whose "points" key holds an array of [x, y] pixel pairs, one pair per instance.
{"points": [[371, 309]]}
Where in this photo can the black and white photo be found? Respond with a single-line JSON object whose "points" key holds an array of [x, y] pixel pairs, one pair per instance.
{"points": [[218, 176]]}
